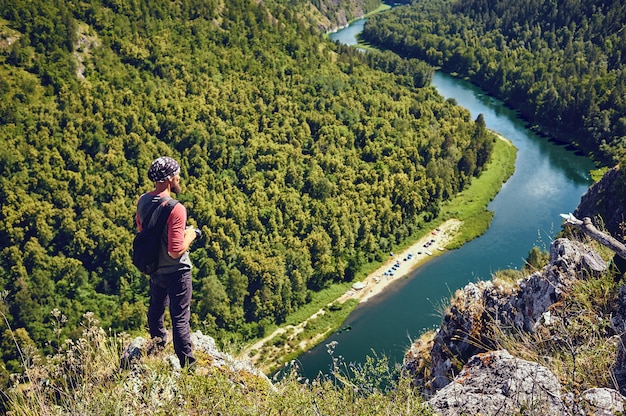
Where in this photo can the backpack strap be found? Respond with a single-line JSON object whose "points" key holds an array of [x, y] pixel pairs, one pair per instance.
{"points": [[165, 213], [150, 221], [156, 202]]}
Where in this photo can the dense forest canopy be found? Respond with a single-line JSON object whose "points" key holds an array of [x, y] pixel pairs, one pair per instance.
{"points": [[301, 159], [562, 64]]}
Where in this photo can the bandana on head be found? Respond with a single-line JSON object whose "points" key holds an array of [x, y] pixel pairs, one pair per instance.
{"points": [[163, 169]]}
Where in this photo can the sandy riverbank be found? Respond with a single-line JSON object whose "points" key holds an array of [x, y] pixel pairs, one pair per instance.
{"points": [[405, 262], [376, 282]]}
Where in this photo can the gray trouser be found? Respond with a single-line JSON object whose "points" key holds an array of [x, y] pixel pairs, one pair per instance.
{"points": [[173, 289]]}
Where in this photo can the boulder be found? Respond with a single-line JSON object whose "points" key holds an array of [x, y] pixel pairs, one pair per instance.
{"points": [[496, 383], [597, 402]]}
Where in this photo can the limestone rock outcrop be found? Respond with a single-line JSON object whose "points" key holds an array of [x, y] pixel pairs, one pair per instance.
{"points": [[496, 383], [464, 371], [208, 356], [605, 199], [464, 331]]}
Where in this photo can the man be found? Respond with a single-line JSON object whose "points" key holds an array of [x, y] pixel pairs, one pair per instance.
{"points": [[171, 283]]}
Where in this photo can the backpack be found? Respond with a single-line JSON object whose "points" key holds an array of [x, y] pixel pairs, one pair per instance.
{"points": [[146, 245]]}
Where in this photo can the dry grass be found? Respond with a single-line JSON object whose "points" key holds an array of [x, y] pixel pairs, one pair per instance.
{"points": [[84, 377]]}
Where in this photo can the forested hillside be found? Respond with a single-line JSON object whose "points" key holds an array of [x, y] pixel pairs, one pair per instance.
{"points": [[562, 64], [300, 161]]}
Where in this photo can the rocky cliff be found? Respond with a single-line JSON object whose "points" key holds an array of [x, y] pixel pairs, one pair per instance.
{"points": [[550, 342], [606, 199], [328, 15]]}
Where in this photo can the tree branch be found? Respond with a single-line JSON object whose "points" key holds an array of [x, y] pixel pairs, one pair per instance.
{"points": [[588, 228]]}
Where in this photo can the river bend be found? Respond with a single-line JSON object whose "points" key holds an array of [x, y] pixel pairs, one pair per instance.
{"points": [[548, 180]]}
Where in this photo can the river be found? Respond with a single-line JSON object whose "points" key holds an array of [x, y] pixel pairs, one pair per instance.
{"points": [[548, 180]]}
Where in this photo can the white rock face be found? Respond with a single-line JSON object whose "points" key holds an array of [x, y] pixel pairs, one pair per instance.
{"points": [[496, 383]]}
